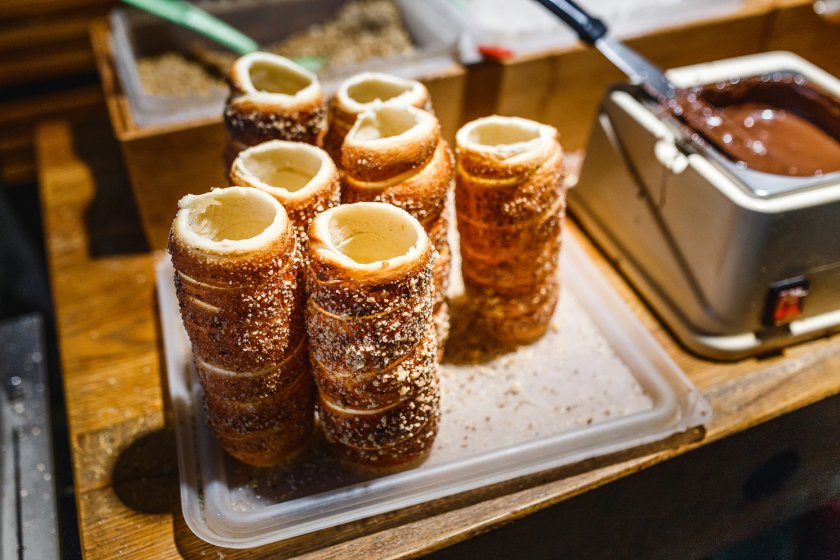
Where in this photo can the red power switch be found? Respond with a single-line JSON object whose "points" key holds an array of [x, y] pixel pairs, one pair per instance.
{"points": [[785, 300]]}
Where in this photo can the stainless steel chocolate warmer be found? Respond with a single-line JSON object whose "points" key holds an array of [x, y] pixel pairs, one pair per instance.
{"points": [[737, 262]]}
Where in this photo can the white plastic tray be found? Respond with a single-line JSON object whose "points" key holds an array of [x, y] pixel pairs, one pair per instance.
{"points": [[596, 384]]}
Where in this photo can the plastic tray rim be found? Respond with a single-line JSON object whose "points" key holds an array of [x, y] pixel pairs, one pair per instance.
{"points": [[677, 408]]}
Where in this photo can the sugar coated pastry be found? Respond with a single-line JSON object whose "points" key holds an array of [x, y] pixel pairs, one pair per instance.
{"points": [[363, 91], [301, 177], [237, 264], [373, 346], [395, 154], [510, 205], [272, 98]]}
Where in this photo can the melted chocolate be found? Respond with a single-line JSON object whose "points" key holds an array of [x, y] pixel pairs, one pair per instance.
{"points": [[781, 125]]}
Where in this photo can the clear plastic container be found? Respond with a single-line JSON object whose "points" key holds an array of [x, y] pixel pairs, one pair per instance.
{"points": [[524, 26], [596, 384], [136, 35]]}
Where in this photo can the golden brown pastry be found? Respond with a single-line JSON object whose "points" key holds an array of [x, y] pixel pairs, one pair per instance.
{"points": [[372, 340], [237, 264], [510, 205], [363, 91], [272, 98], [395, 154], [301, 177]]}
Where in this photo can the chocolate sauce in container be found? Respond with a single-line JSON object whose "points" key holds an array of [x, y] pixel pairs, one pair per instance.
{"points": [[775, 124]]}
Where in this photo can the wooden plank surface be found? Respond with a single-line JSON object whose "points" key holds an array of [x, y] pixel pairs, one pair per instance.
{"points": [[123, 445], [18, 118], [692, 506]]}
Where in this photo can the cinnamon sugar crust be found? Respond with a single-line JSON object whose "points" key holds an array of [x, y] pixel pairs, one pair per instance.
{"points": [[526, 239], [270, 447], [511, 203], [423, 190], [406, 454], [372, 339], [368, 298], [440, 318], [438, 227], [423, 193], [287, 406], [382, 427], [377, 388], [510, 206], [521, 319], [440, 274], [251, 122], [237, 266], [250, 385], [372, 342]]}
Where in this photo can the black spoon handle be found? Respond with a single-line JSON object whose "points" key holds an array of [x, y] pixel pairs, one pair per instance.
{"points": [[588, 28]]}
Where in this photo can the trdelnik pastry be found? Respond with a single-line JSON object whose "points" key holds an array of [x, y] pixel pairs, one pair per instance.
{"points": [[372, 342], [272, 98], [510, 204], [303, 178], [362, 92], [237, 265], [395, 154]]}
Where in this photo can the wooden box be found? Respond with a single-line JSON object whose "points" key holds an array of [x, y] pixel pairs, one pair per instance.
{"points": [[168, 161], [563, 87], [796, 27]]}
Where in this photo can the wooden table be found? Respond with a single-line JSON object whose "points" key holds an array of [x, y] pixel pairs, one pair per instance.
{"points": [[122, 442]]}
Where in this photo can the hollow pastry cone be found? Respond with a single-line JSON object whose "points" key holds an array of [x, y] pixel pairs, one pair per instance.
{"points": [[237, 264], [395, 154], [301, 177], [510, 205], [373, 346], [272, 98], [363, 91]]}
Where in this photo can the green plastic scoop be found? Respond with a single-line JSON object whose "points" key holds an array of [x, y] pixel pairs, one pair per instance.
{"points": [[188, 16], [191, 17]]}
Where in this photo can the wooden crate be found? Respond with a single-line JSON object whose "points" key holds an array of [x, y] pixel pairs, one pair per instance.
{"points": [[795, 27], [563, 87], [166, 162]]}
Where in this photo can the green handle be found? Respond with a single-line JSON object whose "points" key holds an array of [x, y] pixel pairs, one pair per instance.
{"points": [[186, 15]]}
